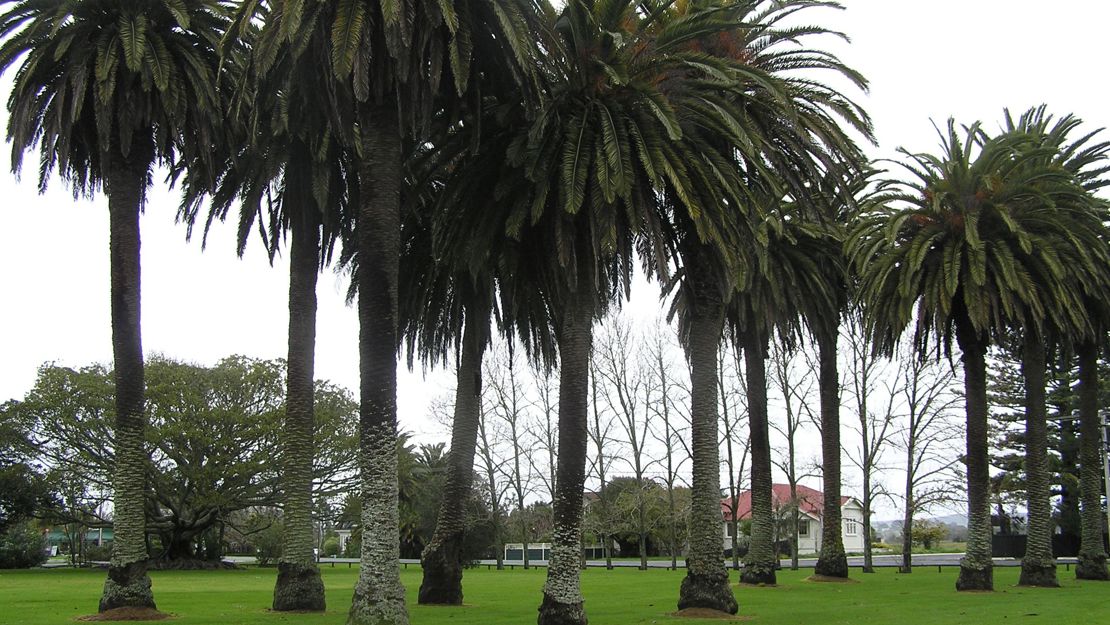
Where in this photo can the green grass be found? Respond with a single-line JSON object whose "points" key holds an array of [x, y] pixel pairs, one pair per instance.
{"points": [[612, 597]]}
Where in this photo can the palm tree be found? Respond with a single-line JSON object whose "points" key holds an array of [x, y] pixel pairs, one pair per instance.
{"points": [[795, 279], [443, 307], [823, 320], [837, 200], [1078, 242], [106, 90], [787, 131], [1085, 160], [970, 243], [441, 559], [576, 185], [1092, 555], [396, 59], [291, 147]]}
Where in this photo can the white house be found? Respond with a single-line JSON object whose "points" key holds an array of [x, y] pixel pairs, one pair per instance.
{"points": [[810, 504]]}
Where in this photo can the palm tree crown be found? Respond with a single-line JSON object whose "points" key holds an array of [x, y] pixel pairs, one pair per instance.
{"points": [[110, 76]]}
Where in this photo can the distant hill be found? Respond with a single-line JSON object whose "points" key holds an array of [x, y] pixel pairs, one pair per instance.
{"points": [[951, 519]]}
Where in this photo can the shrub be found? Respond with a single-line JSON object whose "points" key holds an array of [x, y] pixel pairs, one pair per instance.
{"points": [[354, 546], [21, 547], [331, 548], [267, 544], [94, 553]]}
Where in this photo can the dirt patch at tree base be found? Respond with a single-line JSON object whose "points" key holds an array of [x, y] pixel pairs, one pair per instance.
{"points": [[191, 564], [708, 613], [127, 614], [832, 580]]}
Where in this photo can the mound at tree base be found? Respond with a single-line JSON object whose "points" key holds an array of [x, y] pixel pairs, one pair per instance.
{"points": [[707, 613], [127, 614], [832, 580], [191, 564]]}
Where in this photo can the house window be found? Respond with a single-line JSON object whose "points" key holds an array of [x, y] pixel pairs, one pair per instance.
{"points": [[851, 527], [803, 528]]}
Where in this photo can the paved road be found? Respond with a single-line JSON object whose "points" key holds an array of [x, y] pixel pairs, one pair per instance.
{"points": [[882, 561]]}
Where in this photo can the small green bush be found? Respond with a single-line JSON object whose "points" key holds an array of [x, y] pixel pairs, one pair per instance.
{"points": [[267, 544], [21, 547], [354, 546], [331, 548], [94, 553]]}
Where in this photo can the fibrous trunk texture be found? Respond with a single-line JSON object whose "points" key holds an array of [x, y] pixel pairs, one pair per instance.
{"points": [[706, 583], [832, 562], [442, 557], [759, 564], [976, 567], [1038, 567], [299, 586], [128, 584], [379, 596], [562, 593], [1092, 554]]}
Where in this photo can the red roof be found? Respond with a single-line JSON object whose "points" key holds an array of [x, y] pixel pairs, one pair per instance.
{"points": [[810, 501]]}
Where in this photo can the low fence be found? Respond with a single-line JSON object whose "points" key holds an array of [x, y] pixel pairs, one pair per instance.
{"points": [[1013, 545]]}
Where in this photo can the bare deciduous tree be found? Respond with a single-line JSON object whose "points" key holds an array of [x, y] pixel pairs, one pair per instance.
{"points": [[622, 367], [796, 384], [666, 397], [928, 437], [734, 410], [599, 430], [869, 378], [509, 405]]}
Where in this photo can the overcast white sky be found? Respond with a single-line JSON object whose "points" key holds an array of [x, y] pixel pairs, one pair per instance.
{"points": [[925, 60]]}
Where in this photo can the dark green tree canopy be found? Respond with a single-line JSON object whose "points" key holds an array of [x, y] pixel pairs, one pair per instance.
{"points": [[987, 232], [211, 439], [24, 491], [111, 78]]}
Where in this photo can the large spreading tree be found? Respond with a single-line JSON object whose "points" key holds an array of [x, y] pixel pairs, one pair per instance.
{"points": [[211, 435]]}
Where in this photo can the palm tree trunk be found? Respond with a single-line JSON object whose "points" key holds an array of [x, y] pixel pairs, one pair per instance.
{"points": [[759, 564], [832, 562], [976, 567], [442, 557], [128, 584], [1038, 568], [379, 596], [706, 583], [299, 586], [1092, 554], [562, 592]]}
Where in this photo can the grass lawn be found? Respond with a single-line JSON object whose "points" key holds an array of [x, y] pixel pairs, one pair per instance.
{"points": [[612, 597]]}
